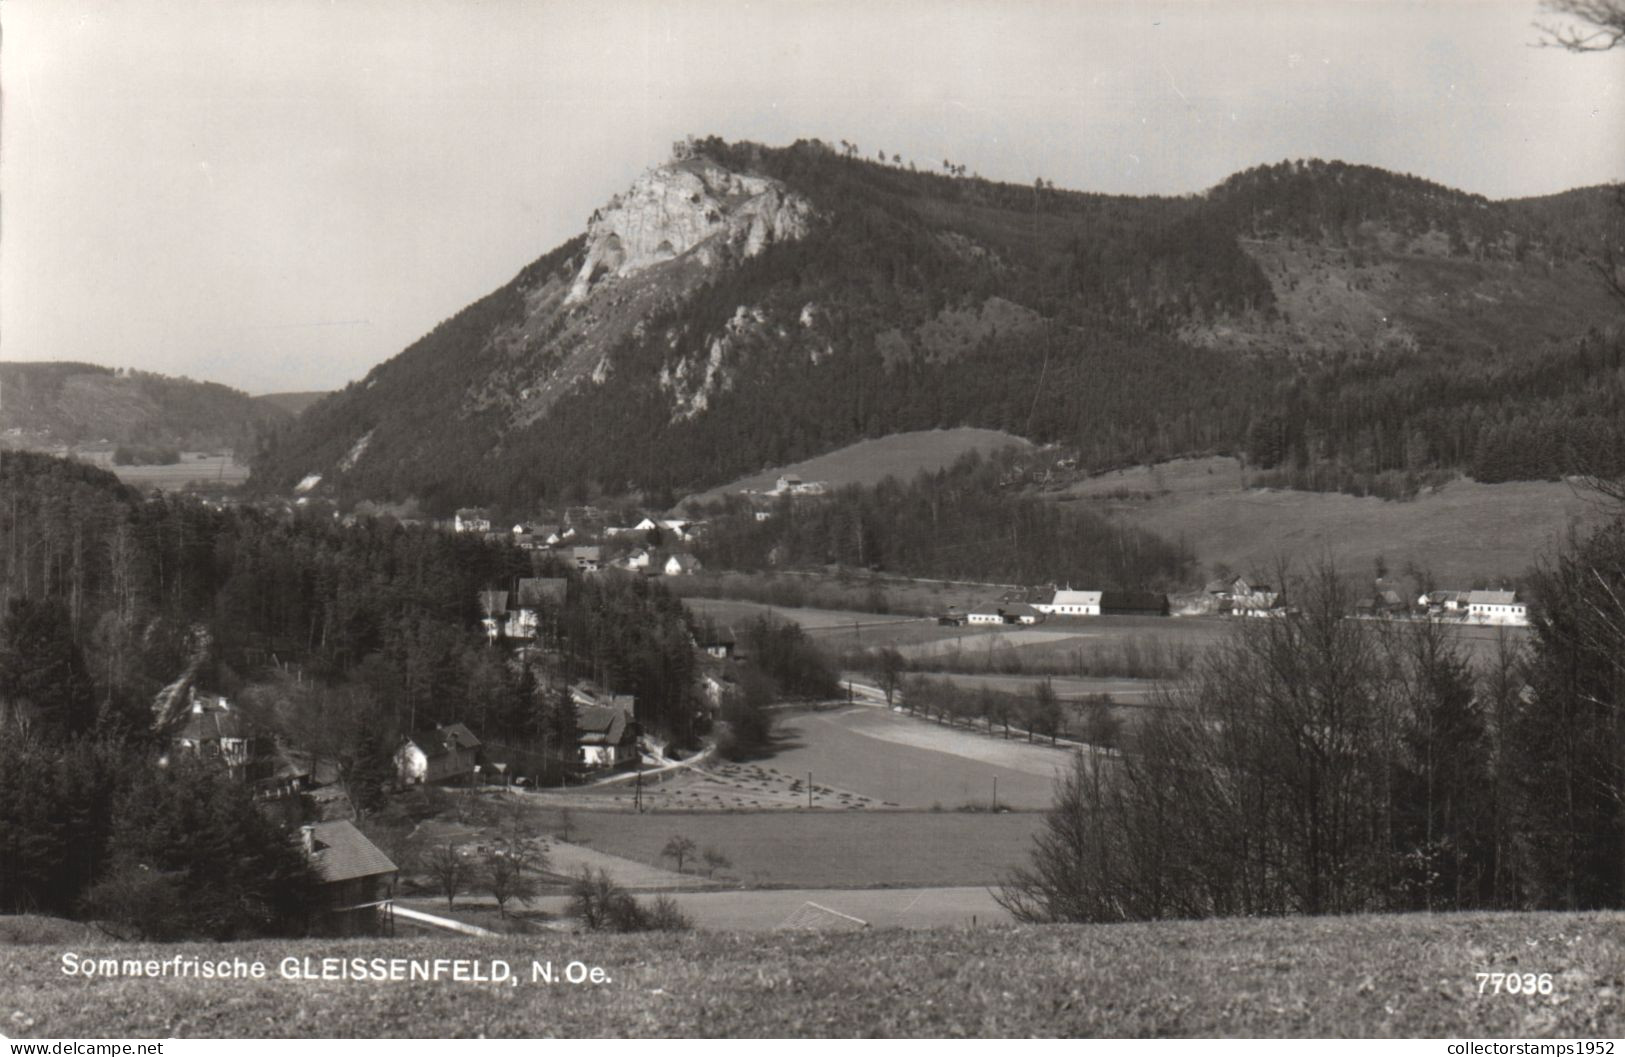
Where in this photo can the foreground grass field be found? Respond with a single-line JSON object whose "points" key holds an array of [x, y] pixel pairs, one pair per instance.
{"points": [[1372, 976]]}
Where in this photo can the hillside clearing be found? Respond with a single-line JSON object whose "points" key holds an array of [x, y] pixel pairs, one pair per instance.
{"points": [[900, 455], [1388, 976], [1467, 534]]}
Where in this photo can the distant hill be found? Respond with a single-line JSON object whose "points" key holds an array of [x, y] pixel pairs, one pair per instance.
{"points": [[742, 306], [292, 403], [900, 455], [50, 405]]}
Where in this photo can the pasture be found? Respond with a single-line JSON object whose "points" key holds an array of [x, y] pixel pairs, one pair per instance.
{"points": [[818, 849], [193, 468], [1386, 976], [766, 909], [900, 455], [1466, 533]]}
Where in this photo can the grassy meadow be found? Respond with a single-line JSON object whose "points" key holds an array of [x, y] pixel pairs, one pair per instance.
{"points": [[1390, 976]]}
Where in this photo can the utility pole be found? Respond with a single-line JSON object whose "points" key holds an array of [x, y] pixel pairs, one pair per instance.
{"points": [[809, 790], [637, 797], [995, 792]]}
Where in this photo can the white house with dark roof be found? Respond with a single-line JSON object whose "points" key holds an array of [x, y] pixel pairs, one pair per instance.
{"points": [[1070, 603], [438, 755], [1497, 607]]}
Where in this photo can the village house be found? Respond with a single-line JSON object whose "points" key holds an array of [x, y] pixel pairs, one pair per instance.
{"points": [[636, 561], [534, 598], [357, 881], [212, 730], [680, 528], [682, 565], [588, 559], [1497, 607], [1069, 603], [444, 754], [717, 642], [1252, 600], [472, 519], [1444, 601], [607, 736]]}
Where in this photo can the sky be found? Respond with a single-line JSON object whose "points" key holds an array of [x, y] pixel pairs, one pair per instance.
{"points": [[280, 194]]}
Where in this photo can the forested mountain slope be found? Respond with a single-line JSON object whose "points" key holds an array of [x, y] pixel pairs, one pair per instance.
{"points": [[743, 306], [75, 404]]}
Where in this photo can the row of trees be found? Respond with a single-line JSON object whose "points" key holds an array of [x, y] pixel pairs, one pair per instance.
{"points": [[1314, 764], [962, 522]]}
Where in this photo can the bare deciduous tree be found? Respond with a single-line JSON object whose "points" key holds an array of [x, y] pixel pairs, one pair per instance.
{"points": [[1582, 25], [679, 848], [451, 873]]}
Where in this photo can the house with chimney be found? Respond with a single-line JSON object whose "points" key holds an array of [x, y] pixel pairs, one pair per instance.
{"points": [[606, 735], [211, 729], [472, 519], [356, 894]]}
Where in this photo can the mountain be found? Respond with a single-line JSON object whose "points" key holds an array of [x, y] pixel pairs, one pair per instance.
{"points": [[49, 405], [741, 307]]}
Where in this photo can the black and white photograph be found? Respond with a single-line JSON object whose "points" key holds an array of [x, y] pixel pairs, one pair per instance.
{"points": [[799, 519]]}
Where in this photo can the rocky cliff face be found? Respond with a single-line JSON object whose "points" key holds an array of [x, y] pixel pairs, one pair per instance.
{"points": [[688, 206]]}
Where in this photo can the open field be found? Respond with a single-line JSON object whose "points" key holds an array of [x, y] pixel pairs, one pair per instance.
{"points": [[900, 455], [1404, 976], [818, 849], [1094, 646], [194, 467], [1468, 534], [765, 909]]}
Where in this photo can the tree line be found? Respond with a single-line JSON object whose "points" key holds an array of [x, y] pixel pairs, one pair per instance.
{"points": [[1318, 765], [967, 521]]}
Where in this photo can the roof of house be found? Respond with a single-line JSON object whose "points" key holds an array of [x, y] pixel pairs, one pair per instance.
{"points": [[1075, 598], [1018, 609], [535, 590], [493, 602], [602, 724], [1133, 600], [342, 853], [211, 723], [473, 512], [444, 739], [592, 552], [718, 636], [686, 561], [1492, 598]]}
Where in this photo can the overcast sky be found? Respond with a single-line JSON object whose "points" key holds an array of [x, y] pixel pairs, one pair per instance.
{"points": [[278, 194]]}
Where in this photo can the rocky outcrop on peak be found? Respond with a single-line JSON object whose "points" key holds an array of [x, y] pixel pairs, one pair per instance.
{"points": [[692, 206]]}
